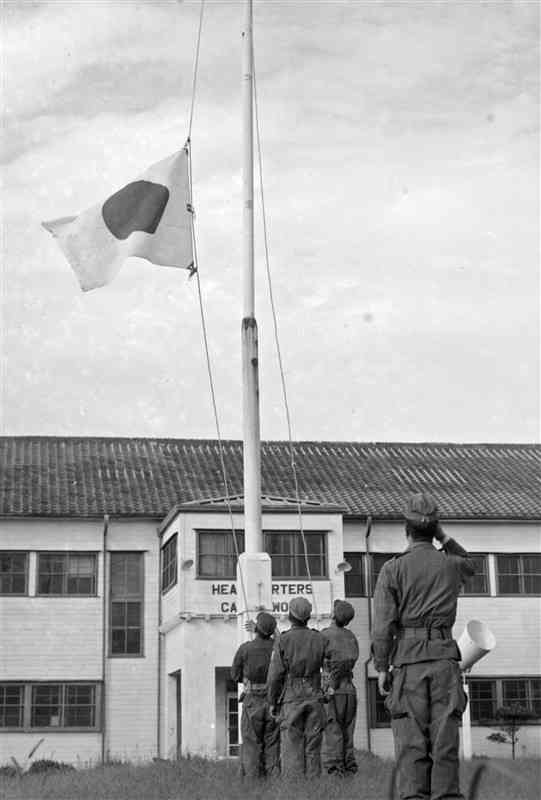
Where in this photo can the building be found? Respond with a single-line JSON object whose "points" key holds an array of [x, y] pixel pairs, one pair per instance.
{"points": [[116, 639]]}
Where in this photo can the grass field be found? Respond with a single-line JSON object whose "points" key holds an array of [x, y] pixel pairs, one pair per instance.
{"points": [[199, 779]]}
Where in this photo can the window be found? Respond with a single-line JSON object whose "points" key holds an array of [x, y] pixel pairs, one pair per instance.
{"points": [[519, 573], [11, 705], [379, 716], [354, 579], [13, 571], [288, 557], [169, 563], [63, 705], [378, 560], [483, 700], [478, 583], [67, 573], [126, 604], [524, 691], [217, 556], [232, 724]]}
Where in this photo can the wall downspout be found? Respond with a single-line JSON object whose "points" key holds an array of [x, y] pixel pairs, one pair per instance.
{"points": [[104, 641], [367, 532], [160, 639]]}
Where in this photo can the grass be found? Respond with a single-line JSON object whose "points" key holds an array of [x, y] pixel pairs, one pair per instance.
{"points": [[200, 779]]}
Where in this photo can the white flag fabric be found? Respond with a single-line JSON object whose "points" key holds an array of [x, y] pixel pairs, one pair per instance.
{"points": [[149, 218]]}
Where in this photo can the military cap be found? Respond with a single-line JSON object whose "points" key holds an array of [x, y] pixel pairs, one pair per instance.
{"points": [[421, 509], [300, 608], [343, 611], [265, 623]]}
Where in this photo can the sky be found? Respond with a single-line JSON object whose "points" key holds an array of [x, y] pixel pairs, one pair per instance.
{"points": [[400, 150]]}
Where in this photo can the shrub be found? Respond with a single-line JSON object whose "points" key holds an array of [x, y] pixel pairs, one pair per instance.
{"points": [[46, 765], [7, 771]]}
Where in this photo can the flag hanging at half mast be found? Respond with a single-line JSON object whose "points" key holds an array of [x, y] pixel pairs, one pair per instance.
{"points": [[149, 218]]}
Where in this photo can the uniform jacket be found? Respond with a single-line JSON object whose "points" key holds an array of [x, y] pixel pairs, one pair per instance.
{"points": [[341, 653], [418, 589], [298, 653], [252, 661]]}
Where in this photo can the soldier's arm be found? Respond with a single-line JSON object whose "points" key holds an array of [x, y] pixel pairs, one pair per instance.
{"points": [[453, 548], [385, 619], [275, 675], [237, 668]]}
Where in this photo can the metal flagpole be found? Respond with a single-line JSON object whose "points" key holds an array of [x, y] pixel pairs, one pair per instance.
{"points": [[250, 365]]}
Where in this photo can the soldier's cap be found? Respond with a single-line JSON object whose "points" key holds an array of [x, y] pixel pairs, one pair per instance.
{"points": [[265, 623], [300, 608], [421, 509], [343, 611]]}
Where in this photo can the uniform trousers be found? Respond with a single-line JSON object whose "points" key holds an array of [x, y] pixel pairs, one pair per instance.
{"points": [[260, 749], [426, 703], [301, 728], [337, 753]]}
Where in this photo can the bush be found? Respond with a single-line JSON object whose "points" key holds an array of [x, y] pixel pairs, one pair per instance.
{"points": [[46, 765], [7, 771]]}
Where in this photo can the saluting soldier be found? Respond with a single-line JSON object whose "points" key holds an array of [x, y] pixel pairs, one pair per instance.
{"points": [[294, 686], [260, 749], [341, 654], [415, 604]]}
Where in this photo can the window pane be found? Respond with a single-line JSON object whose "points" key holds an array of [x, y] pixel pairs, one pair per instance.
{"points": [[288, 557], [46, 705], [378, 560], [50, 584], [515, 691], [532, 584], [482, 700], [80, 705], [11, 706], [532, 564], [508, 564], [133, 640], [133, 614], [217, 556], [13, 573], [535, 696], [118, 641], [508, 584], [478, 583]]}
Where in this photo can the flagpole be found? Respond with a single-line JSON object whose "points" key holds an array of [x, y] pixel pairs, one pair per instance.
{"points": [[250, 363]]}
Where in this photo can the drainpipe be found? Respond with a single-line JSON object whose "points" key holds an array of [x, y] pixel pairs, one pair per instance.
{"points": [[367, 532], [104, 639], [160, 638]]}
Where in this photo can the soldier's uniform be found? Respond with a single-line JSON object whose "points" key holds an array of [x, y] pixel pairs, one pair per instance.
{"points": [[294, 684], [341, 653], [415, 604], [260, 749]]}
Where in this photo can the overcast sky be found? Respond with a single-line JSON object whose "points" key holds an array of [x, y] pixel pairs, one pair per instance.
{"points": [[401, 157]]}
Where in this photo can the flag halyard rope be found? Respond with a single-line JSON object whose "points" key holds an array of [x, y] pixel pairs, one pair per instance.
{"points": [[195, 270], [291, 448]]}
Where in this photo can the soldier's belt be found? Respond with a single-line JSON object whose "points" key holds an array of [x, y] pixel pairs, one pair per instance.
{"points": [[424, 633], [305, 680], [255, 688]]}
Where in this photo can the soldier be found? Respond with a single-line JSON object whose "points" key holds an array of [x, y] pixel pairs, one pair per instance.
{"points": [[341, 653], [415, 605], [294, 685], [260, 749]]}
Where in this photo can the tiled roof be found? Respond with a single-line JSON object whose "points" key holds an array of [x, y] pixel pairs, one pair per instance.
{"points": [[87, 477]]}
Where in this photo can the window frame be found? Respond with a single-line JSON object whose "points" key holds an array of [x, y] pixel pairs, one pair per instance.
{"points": [[170, 546], [21, 705], [223, 532], [66, 555], [486, 575], [362, 573], [324, 557], [28, 705], [520, 574], [374, 699], [26, 554], [132, 597], [498, 681]]}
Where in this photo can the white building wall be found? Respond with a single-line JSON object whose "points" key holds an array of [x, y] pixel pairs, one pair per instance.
{"points": [[61, 639]]}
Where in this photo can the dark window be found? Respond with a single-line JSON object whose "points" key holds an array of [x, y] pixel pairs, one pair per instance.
{"points": [[483, 700], [11, 705], [169, 563], [354, 579], [525, 692], [377, 561], [233, 745], [288, 557], [67, 573], [217, 556], [126, 604], [63, 705], [478, 583], [379, 716], [13, 571], [519, 573]]}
